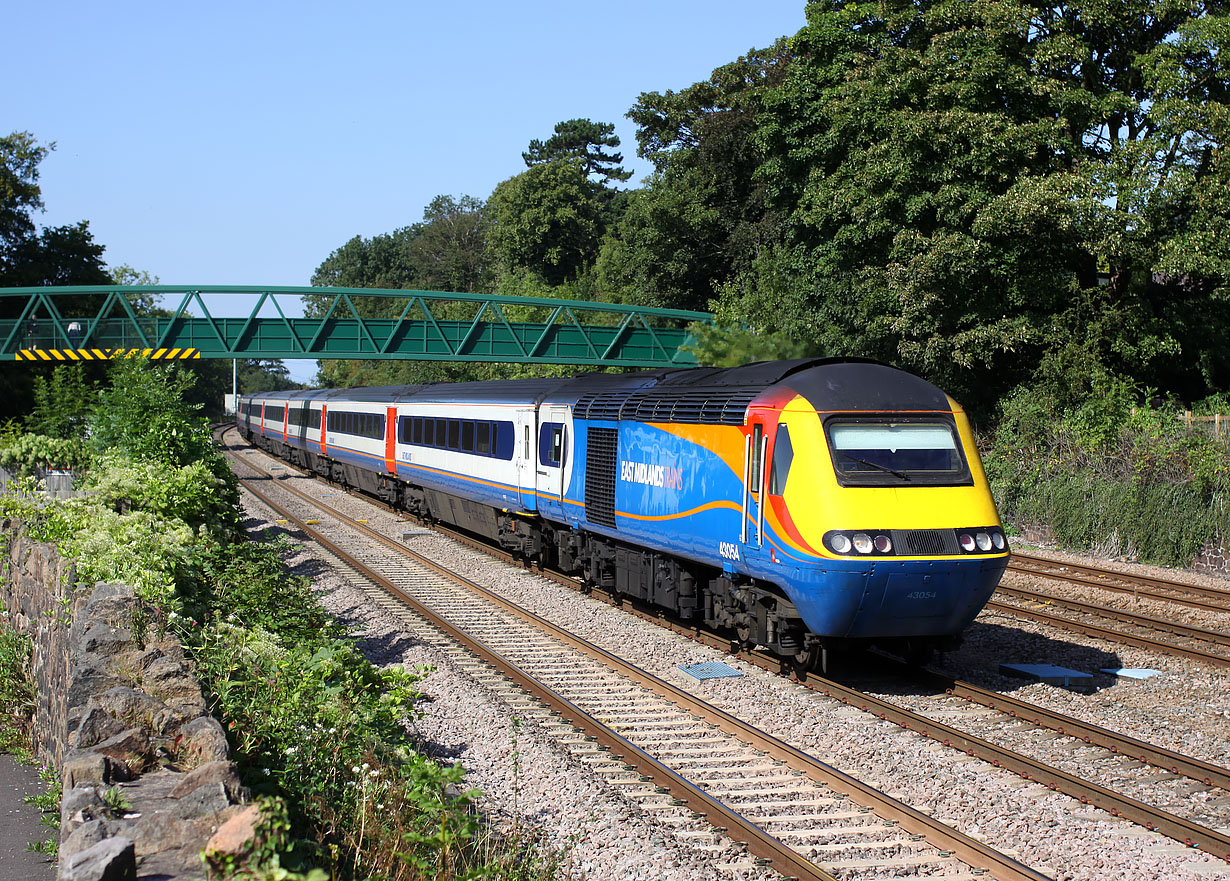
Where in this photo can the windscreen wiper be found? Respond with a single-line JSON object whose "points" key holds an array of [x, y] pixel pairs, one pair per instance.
{"points": [[878, 467]]}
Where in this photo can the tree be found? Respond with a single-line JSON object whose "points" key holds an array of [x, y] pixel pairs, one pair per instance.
{"points": [[583, 140], [449, 251], [63, 255], [702, 217], [953, 176], [548, 220], [20, 195], [63, 402]]}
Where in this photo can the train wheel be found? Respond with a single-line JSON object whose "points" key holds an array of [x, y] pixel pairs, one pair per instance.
{"points": [[807, 660]]}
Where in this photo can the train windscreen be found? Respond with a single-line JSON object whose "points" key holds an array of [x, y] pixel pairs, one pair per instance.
{"points": [[884, 452]]}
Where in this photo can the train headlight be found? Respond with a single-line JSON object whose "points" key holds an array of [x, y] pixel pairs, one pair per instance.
{"points": [[967, 541], [883, 544], [840, 543], [862, 542], [997, 539], [983, 540]]}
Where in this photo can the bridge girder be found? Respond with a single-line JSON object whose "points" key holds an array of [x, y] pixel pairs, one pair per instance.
{"points": [[431, 326]]}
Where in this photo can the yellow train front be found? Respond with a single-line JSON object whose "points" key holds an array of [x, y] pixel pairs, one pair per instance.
{"points": [[854, 508]]}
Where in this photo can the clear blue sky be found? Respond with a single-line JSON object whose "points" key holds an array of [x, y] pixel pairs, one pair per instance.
{"points": [[240, 143]]}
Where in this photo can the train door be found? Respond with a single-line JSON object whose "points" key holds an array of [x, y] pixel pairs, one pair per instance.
{"points": [[524, 428], [552, 459], [755, 472], [390, 440], [299, 428]]}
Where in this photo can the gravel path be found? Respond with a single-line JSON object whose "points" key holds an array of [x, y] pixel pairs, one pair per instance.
{"points": [[608, 838]]}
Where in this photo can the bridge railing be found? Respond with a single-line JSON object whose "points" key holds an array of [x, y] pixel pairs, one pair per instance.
{"points": [[41, 324]]}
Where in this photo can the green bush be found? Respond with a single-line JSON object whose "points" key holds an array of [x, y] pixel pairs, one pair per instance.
{"points": [[1112, 473], [318, 731], [24, 454], [16, 689]]}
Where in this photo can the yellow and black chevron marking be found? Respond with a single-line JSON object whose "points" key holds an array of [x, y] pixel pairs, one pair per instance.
{"points": [[105, 354]]}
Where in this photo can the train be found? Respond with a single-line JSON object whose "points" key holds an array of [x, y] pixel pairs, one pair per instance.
{"points": [[811, 507]]}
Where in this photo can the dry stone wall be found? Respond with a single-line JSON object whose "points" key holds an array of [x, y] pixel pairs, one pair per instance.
{"points": [[147, 784]]}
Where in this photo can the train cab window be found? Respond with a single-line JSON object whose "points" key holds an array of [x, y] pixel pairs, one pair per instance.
{"points": [[757, 445], [893, 452], [483, 439], [783, 455]]}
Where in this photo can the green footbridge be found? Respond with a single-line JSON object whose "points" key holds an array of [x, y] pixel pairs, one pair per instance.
{"points": [[86, 323]]}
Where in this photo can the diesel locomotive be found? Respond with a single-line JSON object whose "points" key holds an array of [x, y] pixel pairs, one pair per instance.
{"points": [[805, 506]]}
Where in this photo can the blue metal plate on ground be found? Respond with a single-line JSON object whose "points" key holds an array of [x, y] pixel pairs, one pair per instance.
{"points": [[710, 670], [1131, 672], [1045, 672]]}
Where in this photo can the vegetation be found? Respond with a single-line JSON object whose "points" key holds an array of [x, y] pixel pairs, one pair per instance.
{"points": [[1025, 204], [16, 689], [319, 733]]}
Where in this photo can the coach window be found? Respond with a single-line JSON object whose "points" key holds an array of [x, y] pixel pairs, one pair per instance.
{"points": [[484, 438], [467, 436], [783, 455]]}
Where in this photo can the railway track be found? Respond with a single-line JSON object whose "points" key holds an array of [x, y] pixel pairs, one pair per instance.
{"points": [[1197, 643], [1182, 829], [1188, 831], [1196, 596], [804, 817]]}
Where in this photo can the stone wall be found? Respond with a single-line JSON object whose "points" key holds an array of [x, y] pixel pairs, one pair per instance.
{"points": [[1213, 558], [147, 784]]}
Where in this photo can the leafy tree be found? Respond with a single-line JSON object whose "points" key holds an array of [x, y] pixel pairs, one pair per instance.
{"points": [[581, 139], [142, 304], [548, 219], [62, 403], [20, 195], [383, 261], [952, 177], [449, 251], [145, 414], [264, 375], [29, 256], [703, 215]]}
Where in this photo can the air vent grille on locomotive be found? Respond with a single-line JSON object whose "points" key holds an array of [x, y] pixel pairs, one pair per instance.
{"points": [[601, 463], [719, 406], [925, 542]]}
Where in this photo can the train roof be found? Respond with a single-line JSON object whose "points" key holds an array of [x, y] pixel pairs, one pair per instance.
{"points": [[697, 395]]}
